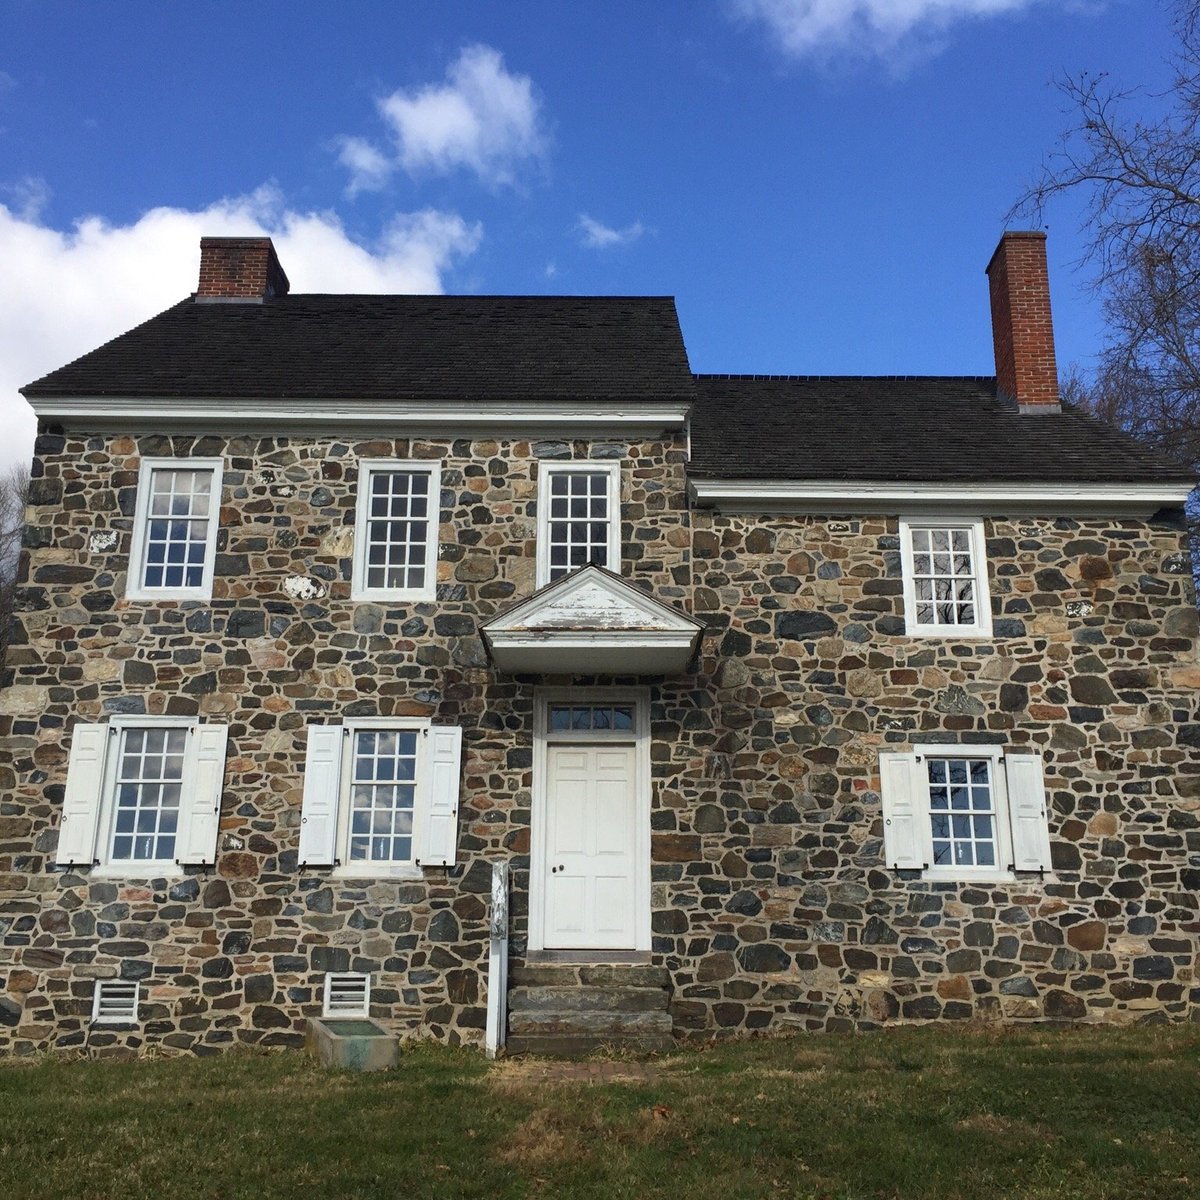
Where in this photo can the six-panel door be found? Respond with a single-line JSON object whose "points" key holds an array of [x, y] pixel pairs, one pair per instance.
{"points": [[590, 847]]}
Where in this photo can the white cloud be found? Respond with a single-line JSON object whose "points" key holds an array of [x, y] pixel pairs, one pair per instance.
{"points": [[369, 168], [598, 236], [483, 119], [63, 293], [29, 196], [895, 29]]}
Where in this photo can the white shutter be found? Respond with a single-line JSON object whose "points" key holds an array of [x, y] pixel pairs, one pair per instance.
{"points": [[322, 783], [81, 799], [904, 833], [1027, 812], [439, 841], [200, 818]]}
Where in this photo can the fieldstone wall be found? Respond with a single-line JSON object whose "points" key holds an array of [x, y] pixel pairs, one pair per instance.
{"points": [[774, 908], [770, 905], [239, 954]]}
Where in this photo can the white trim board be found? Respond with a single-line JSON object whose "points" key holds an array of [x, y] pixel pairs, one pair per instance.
{"points": [[347, 417], [853, 498]]}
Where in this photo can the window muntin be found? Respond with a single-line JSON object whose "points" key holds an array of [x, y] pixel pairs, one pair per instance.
{"points": [[175, 529], [945, 578], [962, 811], [147, 789], [579, 518], [590, 717], [383, 787], [396, 537]]}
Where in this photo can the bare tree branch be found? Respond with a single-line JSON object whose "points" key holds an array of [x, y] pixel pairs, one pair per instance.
{"points": [[1141, 177], [14, 488]]}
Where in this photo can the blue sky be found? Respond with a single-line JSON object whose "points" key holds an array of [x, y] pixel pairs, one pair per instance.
{"points": [[818, 182]]}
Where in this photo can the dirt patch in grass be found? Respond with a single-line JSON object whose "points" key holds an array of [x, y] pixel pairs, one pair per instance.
{"points": [[1006, 1127]]}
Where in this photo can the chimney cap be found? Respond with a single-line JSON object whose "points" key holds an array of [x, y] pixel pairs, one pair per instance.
{"points": [[1013, 235]]}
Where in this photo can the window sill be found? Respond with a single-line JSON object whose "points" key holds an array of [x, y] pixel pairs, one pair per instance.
{"points": [[947, 632], [968, 878], [112, 871], [152, 597], [385, 597], [382, 874]]}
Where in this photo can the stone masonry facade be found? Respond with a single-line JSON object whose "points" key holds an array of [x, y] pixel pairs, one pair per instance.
{"points": [[771, 907]]}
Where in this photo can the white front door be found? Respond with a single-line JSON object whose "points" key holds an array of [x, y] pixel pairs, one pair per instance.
{"points": [[590, 859]]}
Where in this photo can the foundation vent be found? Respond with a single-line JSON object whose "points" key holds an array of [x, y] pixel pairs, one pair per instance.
{"points": [[347, 995], [115, 1002]]}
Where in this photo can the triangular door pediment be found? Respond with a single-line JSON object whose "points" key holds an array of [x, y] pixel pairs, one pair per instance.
{"points": [[592, 622], [596, 600]]}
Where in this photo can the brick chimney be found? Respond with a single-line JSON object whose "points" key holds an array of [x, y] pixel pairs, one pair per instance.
{"points": [[244, 269], [1022, 331]]}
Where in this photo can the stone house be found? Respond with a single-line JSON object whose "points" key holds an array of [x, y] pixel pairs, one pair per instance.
{"points": [[790, 702]]}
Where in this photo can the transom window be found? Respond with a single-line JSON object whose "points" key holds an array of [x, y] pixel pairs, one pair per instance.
{"points": [[396, 536], [383, 788], [945, 578], [591, 716], [148, 788], [579, 518], [175, 529], [962, 811]]}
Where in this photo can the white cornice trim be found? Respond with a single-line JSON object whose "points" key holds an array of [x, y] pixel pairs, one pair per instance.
{"points": [[850, 498], [363, 417]]}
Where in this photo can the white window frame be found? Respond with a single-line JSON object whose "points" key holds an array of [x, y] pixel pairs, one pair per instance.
{"points": [[547, 469], [1001, 816], [108, 867], [982, 628], [135, 587], [362, 515], [371, 869]]}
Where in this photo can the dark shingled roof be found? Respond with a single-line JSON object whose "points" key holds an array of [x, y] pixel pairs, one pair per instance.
{"points": [[394, 347], [921, 428]]}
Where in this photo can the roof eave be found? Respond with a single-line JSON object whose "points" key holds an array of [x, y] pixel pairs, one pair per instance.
{"points": [[365, 416], [983, 498]]}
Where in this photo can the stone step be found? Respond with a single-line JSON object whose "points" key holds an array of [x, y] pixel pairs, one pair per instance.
{"points": [[581, 998], [577, 1047], [630, 975], [609, 1027]]}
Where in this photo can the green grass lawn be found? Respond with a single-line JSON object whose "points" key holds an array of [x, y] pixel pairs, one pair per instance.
{"points": [[1093, 1113]]}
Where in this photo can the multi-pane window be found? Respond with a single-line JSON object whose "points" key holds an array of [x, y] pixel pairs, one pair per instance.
{"points": [[175, 527], [143, 795], [962, 811], [396, 539], [383, 787], [945, 578], [148, 786], [579, 518]]}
